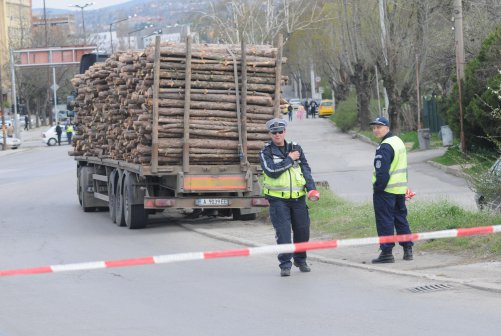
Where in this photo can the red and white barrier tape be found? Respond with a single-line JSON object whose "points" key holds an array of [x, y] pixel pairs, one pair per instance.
{"points": [[245, 252]]}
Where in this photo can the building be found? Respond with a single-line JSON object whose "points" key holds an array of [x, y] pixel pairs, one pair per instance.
{"points": [[15, 23], [65, 22]]}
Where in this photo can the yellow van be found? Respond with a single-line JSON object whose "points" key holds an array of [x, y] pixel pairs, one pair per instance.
{"points": [[326, 108]]}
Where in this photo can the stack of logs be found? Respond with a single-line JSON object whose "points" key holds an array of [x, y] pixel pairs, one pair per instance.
{"points": [[114, 105]]}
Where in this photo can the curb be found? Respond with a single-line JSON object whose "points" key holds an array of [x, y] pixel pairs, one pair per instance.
{"points": [[453, 170], [363, 138], [339, 262]]}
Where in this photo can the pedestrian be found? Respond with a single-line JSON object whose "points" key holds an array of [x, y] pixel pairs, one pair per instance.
{"points": [[26, 123], [10, 130], [389, 187], [59, 131], [300, 112], [69, 132], [287, 180], [289, 111], [306, 106], [313, 108]]}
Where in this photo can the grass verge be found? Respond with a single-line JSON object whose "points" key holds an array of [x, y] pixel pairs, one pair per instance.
{"points": [[342, 219]]}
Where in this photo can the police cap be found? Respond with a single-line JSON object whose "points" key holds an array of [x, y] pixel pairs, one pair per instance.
{"points": [[276, 125], [380, 121]]}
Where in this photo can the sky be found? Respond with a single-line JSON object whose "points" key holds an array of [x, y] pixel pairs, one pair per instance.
{"points": [[63, 4]]}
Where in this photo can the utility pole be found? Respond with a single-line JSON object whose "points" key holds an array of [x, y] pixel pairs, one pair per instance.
{"points": [[459, 48], [47, 70], [377, 89], [418, 98], [312, 79], [82, 7], [458, 35], [4, 133]]}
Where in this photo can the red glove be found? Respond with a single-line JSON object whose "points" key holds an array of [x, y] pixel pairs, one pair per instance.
{"points": [[409, 194], [313, 195]]}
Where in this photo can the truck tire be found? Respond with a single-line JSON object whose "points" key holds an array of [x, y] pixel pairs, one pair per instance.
{"points": [[135, 214], [111, 195], [86, 199], [237, 215], [78, 185], [119, 200]]}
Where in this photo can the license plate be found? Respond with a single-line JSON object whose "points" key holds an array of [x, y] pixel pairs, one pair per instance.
{"points": [[212, 202]]}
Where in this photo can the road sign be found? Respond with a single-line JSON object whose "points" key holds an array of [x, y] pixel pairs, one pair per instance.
{"points": [[54, 87], [321, 89]]}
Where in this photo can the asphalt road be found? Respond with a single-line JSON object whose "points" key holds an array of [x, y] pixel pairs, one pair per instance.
{"points": [[42, 224]]}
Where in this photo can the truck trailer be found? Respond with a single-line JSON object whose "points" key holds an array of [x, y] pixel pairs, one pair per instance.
{"points": [[175, 126]]}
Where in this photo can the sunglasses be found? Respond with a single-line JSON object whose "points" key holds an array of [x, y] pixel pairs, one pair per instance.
{"points": [[279, 132]]}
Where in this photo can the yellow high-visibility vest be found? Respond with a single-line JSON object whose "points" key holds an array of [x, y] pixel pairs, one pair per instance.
{"points": [[398, 168], [288, 185]]}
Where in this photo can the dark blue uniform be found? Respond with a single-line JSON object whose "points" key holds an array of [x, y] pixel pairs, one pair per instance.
{"points": [[390, 209], [287, 214]]}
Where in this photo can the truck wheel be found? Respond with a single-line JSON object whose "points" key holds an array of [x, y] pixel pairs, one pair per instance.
{"points": [[135, 214], [78, 186], [119, 200], [111, 195], [237, 215], [84, 182]]}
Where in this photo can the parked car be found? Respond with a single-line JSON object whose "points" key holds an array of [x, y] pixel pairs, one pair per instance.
{"points": [[49, 137], [7, 122], [12, 142], [295, 102], [326, 108], [493, 180]]}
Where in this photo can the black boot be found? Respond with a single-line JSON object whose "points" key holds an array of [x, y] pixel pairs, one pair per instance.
{"points": [[385, 257], [408, 253]]}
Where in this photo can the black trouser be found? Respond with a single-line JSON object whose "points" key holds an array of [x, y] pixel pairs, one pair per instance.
{"points": [[290, 215], [59, 138], [391, 216]]}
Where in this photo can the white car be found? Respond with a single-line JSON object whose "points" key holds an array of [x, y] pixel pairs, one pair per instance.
{"points": [[12, 142], [295, 102], [49, 137]]}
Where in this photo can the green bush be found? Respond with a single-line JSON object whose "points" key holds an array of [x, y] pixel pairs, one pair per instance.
{"points": [[345, 116]]}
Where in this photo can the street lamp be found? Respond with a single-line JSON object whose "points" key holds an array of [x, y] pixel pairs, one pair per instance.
{"points": [[138, 30], [82, 7], [115, 22]]}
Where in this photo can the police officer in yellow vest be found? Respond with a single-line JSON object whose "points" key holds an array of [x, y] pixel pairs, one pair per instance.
{"points": [[389, 182], [287, 181]]}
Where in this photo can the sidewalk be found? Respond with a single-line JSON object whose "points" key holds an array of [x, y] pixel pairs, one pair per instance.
{"points": [[439, 268]]}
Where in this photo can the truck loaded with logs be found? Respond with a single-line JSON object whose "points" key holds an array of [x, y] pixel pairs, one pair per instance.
{"points": [[175, 126]]}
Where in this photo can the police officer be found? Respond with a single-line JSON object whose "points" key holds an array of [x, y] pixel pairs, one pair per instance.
{"points": [[69, 132], [287, 180], [389, 187]]}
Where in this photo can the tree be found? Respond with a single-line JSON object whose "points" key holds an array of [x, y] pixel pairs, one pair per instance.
{"points": [[259, 22], [482, 78]]}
